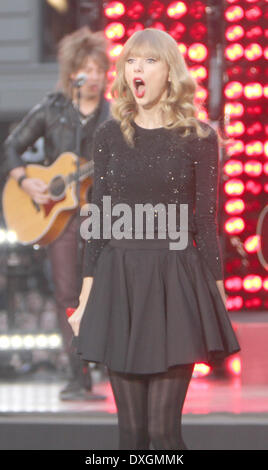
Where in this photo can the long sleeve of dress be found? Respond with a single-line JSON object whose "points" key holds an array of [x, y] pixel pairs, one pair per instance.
{"points": [[94, 246], [206, 189]]}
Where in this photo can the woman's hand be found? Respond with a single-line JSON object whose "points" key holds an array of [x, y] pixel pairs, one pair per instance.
{"points": [[75, 319], [222, 292]]}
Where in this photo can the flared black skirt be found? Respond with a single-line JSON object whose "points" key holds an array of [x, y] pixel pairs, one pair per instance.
{"points": [[151, 308]]}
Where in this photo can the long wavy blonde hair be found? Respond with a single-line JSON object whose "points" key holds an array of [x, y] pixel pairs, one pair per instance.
{"points": [[178, 109]]}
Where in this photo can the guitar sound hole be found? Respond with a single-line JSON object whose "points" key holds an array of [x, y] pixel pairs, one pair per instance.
{"points": [[57, 187]]}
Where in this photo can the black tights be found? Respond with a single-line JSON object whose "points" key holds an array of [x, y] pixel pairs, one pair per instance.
{"points": [[149, 407]]}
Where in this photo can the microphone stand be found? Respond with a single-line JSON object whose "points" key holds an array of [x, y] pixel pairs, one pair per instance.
{"points": [[77, 84], [78, 134], [78, 146]]}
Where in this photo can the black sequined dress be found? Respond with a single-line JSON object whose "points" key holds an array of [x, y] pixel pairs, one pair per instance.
{"points": [[152, 307]]}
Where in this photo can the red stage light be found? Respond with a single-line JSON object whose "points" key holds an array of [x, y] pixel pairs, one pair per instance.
{"points": [[254, 148], [108, 95], [265, 283], [201, 370], [135, 26], [254, 302], [197, 9], [235, 148], [158, 25], [233, 283], [234, 13], [234, 206], [234, 303], [176, 10], [234, 109], [233, 365], [252, 244], [234, 187], [198, 31], [234, 225], [252, 283], [254, 32], [114, 31], [197, 52], [235, 128], [111, 73], [202, 114], [155, 9], [198, 72], [253, 91], [253, 206], [233, 167], [177, 30], [253, 187], [234, 264], [114, 10], [234, 33], [234, 52], [265, 148], [265, 168], [253, 14], [254, 110], [234, 70], [253, 168], [253, 51], [201, 94], [254, 128], [135, 10], [183, 48], [233, 90], [114, 51]]}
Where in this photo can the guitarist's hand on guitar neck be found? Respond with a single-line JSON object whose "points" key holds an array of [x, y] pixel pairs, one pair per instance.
{"points": [[36, 189]]}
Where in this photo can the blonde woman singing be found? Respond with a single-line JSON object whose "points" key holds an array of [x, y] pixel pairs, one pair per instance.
{"points": [[149, 312]]}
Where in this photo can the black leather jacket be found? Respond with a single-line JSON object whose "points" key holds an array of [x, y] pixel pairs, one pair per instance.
{"points": [[55, 119]]}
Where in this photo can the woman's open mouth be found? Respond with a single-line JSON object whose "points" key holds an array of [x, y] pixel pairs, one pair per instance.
{"points": [[139, 87]]}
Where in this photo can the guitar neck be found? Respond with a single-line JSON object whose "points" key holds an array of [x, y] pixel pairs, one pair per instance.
{"points": [[87, 169]]}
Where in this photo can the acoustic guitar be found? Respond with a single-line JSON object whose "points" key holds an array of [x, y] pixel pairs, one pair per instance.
{"points": [[42, 223]]}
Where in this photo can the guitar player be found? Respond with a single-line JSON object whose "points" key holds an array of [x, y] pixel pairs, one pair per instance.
{"points": [[81, 53]]}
